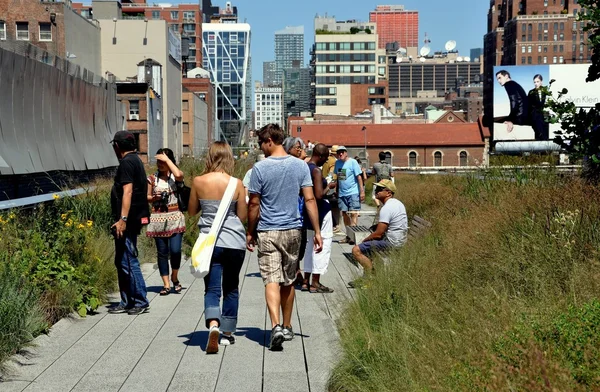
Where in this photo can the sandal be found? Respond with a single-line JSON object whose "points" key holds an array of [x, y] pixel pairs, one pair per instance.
{"points": [[177, 287], [165, 291], [320, 289]]}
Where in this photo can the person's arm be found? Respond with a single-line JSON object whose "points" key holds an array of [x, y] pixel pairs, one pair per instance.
{"points": [[253, 213], [150, 194], [361, 187], [378, 233], [177, 173], [121, 225], [193, 203], [313, 214], [242, 207], [317, 178]]}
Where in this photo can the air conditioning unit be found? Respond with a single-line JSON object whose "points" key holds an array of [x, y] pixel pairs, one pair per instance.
{"points": [[134, 116]]}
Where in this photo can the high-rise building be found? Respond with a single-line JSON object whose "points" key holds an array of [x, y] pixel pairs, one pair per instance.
{"points": [[297, 92], [226, 55], [211, 12], [343, 64], [476, 53], [184, 19], [268, 101], [289, 48], [395, 24], [532, 32], [269, 71]]}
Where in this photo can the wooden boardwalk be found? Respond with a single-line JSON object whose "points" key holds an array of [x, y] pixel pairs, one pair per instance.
{"points": [[163, 350]]}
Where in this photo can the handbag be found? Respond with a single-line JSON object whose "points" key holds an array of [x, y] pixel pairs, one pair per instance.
{"points": [[205, 244], [183, 195]]}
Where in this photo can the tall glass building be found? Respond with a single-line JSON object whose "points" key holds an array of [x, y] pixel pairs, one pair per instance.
{"points": [[289, 50], [226, 55]]}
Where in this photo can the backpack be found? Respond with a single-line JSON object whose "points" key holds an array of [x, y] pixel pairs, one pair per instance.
{"points": [[386, 171]]}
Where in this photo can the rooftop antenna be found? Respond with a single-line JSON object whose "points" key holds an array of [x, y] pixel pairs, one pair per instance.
{"points": [[425, 50], [450, 45], [400, 54]]}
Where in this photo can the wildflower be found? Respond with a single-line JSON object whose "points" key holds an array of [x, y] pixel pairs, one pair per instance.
{"points": [[68, 224], [81, 226], [64, 216], [11, 216], [56, 196], [90, 223]]}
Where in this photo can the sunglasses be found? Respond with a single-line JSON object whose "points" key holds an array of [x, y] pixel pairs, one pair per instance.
{"points": [[379, 189]]}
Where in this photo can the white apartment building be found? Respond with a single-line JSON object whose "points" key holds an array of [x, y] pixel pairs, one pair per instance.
{"points": [[269, 106]]}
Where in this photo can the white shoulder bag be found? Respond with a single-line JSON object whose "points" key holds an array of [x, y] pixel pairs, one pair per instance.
{"points": [[205, 244]]}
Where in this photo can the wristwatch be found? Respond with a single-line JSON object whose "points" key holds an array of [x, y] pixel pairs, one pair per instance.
{"points": [[124, 218]]}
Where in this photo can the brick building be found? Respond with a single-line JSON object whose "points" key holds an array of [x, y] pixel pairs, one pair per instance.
{"points": [[407, 145], [395, 24], [529, 32], [205, 90], [185, 19], [53, 27]]}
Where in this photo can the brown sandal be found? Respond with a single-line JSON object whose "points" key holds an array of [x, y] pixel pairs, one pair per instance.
{"points": [[165, 291], [177, 287], [320, 289]]}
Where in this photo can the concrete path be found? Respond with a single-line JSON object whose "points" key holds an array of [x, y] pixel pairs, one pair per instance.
{"points": [[163, 350]]}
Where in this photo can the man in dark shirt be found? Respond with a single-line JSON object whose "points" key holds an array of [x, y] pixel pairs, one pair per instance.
{"points": [[130, 212], [519, 103]]}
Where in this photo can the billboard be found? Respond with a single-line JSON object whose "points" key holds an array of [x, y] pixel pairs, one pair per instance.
{"points": [[519, 101], [174, 46]]}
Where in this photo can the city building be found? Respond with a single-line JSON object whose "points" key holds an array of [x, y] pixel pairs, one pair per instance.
{"points": [[184, 19], [530, 32], [147, 52], [289, 50], [142, 106], [53, 27], [395, 24], [476, 54], [198, 82], [298, 93], [341, 60], [194, 126], [226, 57], [269, 71], [268, 105], [330, 24], [408, 146], [214, 13]]}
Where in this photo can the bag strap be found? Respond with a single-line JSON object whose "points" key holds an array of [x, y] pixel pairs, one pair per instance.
{"points": [[223, 206]]}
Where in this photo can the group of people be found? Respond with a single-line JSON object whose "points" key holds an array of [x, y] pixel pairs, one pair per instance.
{"points": [[287, 200]]}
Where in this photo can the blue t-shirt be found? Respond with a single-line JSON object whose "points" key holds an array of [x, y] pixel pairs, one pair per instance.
{"points": [[346, 175], [278, 181]]}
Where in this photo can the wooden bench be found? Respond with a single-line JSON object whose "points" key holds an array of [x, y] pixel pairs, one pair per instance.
{"points": [[418, 226]]}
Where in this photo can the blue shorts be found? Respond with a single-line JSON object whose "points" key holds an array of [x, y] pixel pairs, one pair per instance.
{"points": [[368, 247], [349, 203]]}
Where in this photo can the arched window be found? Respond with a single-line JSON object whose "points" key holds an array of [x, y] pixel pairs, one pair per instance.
{"points": [[412, 159], [437, 158], [388, 157], [463, 158]]}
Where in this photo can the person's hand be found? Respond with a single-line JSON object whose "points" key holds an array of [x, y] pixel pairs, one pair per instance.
{"points": [[509, 126], [332, 185], [162, 158], [119, 228], [318, 243], [250, 241], [362, 196]]}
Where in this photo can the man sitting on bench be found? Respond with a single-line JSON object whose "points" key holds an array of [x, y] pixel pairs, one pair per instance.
{"points": [[391, 231]]}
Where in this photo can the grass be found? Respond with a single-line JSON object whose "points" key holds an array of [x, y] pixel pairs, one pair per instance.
{"points": [[500, 295]]}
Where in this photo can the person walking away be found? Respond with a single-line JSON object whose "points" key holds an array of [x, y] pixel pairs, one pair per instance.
{"points": [[315, 264], [230, 248], [246, 180], [130, 212], [350, 188], [274, 225], [167, 222], [331, 194], [391, 231], [383, 171]]}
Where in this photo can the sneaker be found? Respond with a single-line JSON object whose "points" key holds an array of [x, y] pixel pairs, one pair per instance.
{"points": [[118, 309], [288, 334], [277, 338], [227, 340], [138, 310], [212, 347]]}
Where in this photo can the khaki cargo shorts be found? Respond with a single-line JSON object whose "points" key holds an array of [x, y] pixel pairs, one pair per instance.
{"points": [[278, 252]]}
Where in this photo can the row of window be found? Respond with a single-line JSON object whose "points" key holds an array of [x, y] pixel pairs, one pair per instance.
{"points": [[346, 57], [187, 15], [463, 159], [326, 102], [544, 48], [346, 46], [22, 31], [320, 69], [345, 80]]}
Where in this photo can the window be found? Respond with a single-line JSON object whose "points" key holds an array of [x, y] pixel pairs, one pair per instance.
{"points": [[2, 30], [463, 158], [155, 14], [561, 59], [174, 27], [134, 110], [226, 76], [437, 159], [189, 15], [45, 32], [185, 105], [175, 15], [186, 127], [523, 49], [412, 159], [188, 27], [233, 50], [529, 49], [22, 31], [233, 37]]}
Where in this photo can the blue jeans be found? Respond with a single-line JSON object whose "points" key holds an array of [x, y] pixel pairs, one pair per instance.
{"points": [[129, 273], [349, 203], [166, 246], [225, 267]]}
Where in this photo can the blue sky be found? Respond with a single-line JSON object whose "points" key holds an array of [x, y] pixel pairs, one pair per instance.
{"points": [[464, 21]]}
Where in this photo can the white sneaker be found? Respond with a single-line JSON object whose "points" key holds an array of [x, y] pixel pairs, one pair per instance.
{"points": [[212, 346], [227, 340]]}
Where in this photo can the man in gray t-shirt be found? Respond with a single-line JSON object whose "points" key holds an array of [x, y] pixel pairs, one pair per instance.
{"points": [[391, 230], [274, 224]]}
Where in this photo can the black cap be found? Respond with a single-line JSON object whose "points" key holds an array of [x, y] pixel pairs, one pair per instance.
{"points": [[124, 139]]}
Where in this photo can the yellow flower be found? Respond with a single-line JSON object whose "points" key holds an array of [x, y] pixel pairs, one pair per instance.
{"points": [[11, 216], [55, 196], [90, 223], [80, 226], [69, 223], [64, 216]]}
